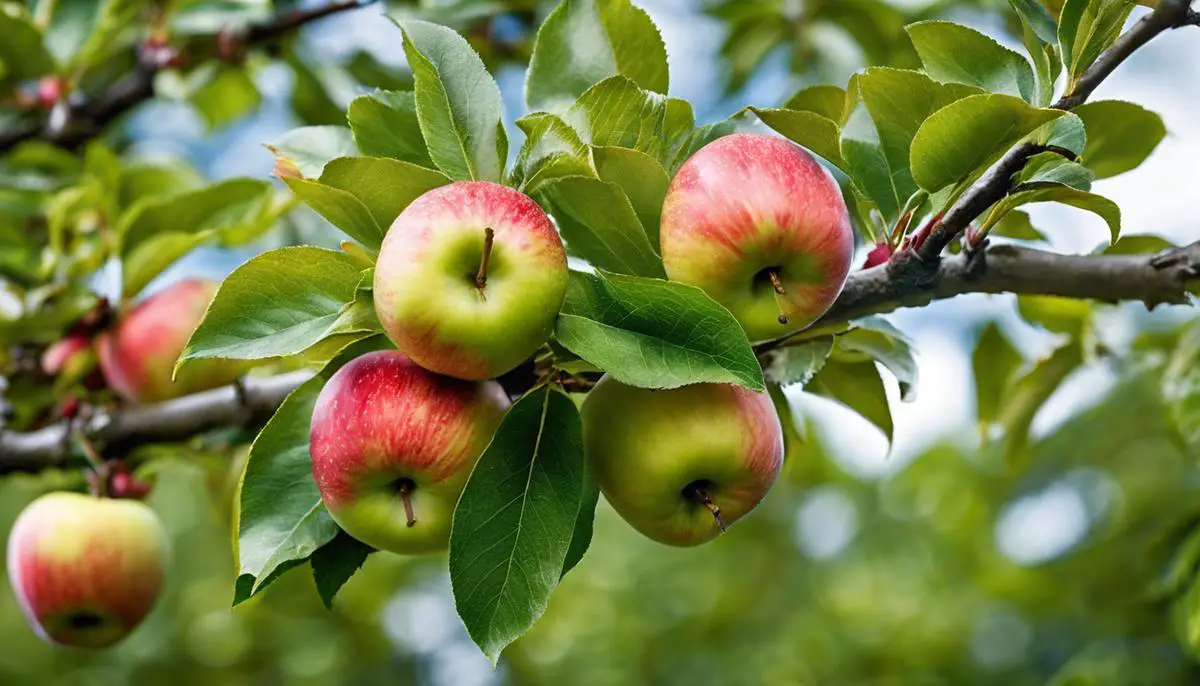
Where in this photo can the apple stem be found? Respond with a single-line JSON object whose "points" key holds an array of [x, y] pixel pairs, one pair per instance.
{"points": [[702, 495], [489, 237], [406, 489], [779, 291]]}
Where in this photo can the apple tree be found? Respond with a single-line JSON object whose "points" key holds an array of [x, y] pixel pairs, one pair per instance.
{"points": [[523, 312]]}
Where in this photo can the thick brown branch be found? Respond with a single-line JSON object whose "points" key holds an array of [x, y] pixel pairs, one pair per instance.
{"points": [[86, 120], [995, 184], [1151, 279], [169, 421]]}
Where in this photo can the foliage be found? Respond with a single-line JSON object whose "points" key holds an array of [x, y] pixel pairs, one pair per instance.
{"points": [[907, 137]]}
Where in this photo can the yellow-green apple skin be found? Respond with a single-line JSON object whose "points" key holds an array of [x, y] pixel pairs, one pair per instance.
{"points": [[425, 287], [385, 430], [86, 570], [137, 357], [747, 205], [649, 451]]}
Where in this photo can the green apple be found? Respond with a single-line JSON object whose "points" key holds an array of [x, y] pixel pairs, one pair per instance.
{"points": [[392, 445], [680, 465], [469, 279], [86, 570], [760, 226], [137, 357]]}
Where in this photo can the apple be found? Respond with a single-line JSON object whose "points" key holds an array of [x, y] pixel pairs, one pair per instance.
{"points": [[137, 357], [62, 353], [758, 224], [470, 279], [392, 445], [86, 570], [681, 465]]}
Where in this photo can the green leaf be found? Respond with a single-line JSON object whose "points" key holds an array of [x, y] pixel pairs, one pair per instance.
{"points": [[583, 42], [995, 361], [858, 386], [797, 364], [1038, 18], [385, 124], [581, 536], [899, 101], [1069, 316], [142, 181], [1086, 28], [813, 131], [1067, 132], [1181, 387], [229, 94], [1016, 224], [278, 304], [514, 523], [335, 562], [282, 519], [220, 207], [246, 586], [309, 148], [458, 103], [1027, 393], [385, 186], [641, 177], [1049, 167], [1121, 135], [1138, 245], [826, 100], [654, 334], [969, 134], [154, 255], [955, 53], [340, 208], [867, 164], [616, 112], [552, 150], [1046, 65], [877, 340], [599, 223], [1035, 193], [22, 52]]}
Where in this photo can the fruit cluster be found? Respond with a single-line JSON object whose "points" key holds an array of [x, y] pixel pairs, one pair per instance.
{"points": [[87, 569], [468, 284], [469, 281]]}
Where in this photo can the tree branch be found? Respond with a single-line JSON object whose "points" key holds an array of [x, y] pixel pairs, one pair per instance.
{"points": [[173, 420], [1152, 279], [996, 183], [86, 120]]}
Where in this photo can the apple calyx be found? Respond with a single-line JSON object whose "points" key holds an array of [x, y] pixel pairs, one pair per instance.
{"points": [[777, 285], [405, 487], [489, 237], [696, 490]]}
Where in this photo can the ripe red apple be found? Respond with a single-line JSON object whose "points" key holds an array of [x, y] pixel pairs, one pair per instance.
{"points": [[138, 355], [62, 353], [681, 465], [470, 279], [86, 570], [760, 226], [392, 446]]}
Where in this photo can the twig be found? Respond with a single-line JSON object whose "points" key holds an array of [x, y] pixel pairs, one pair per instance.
{"points": [[1152, 279], [169, 421], [87, 119], [995, 184]]}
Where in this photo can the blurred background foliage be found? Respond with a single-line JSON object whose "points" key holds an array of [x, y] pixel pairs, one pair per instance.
{"points": [[952, 563]]}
